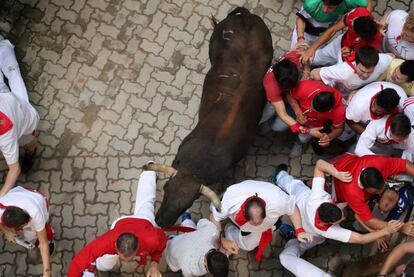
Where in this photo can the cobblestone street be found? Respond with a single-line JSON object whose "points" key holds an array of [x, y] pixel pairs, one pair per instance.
{"points": [[118, 83]]}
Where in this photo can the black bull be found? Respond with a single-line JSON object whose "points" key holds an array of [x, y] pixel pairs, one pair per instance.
{"points": [[231, 106]]}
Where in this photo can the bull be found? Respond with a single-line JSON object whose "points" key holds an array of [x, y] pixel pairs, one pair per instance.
{"points": [[232, 102]]}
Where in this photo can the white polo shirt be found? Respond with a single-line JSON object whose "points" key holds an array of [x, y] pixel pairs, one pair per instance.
{"points": [[187, 252], [359, 108], [14, 105], [278, 203], [344, 77], [31, 202], [308, 206], [392, 41], [378, 129]]}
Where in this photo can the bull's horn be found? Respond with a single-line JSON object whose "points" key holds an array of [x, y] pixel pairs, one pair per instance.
{"points": [[210, 194], [161, 168]]}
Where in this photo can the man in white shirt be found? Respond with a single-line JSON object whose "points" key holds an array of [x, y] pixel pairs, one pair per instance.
{"points": [[18, 118], [321, 218], [254, 207], [349, 76], [197, 253], [24, 217], [383, 135], [399, 34], [373, 101]]}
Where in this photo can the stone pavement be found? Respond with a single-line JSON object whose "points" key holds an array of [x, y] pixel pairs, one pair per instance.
{"points": [[116, 83]]}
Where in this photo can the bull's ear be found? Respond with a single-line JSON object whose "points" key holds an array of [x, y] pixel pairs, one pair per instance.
{"points": [[214, 21]]}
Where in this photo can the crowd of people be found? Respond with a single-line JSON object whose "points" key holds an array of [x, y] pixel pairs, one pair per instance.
{"points": [[348, 77]]}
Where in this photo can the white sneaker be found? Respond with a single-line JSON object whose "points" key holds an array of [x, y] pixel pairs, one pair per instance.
{"points": [[296, 150]]}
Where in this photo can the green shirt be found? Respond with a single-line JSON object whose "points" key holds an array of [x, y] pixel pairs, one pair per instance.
{"points": [[315, 9]]}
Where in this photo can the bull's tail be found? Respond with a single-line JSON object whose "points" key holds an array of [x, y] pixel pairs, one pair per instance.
{"points": [[214, 21]]}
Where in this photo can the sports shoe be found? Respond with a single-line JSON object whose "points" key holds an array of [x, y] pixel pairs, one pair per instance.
{"points": [[281, 167], [27, 162], [52, 247], [296, 150], [185, 215], [286, 231]]}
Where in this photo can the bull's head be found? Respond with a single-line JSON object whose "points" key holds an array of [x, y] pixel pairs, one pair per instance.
{"points": [[179, 194]]}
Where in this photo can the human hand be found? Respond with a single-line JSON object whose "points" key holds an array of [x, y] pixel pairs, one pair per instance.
{"points": [[308, 55], [346, 51], [230, 246], [305, 237], [394, 226], [408, 229], [315, 132], [9, 234], [153, 270], [300, 118], [325, 140], [343, 176], [383, 244]]}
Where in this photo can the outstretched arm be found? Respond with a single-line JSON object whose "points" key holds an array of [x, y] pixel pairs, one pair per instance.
{"points": [[12, 175], [322, 167], [395, 256], [44, 252], [392, 227]]}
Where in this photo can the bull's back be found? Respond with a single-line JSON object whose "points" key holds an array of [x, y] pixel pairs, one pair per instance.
{"points": [[232, 100]]}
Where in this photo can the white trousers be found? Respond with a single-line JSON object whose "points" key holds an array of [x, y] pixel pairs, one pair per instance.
{"points": [[144, 208], [294, 187], [247, 243], [290, 258], [10, 68], [330, 54]]}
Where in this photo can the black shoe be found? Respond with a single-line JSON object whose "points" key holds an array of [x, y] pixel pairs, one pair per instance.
{"points": [[281, 167], [316, 147], [52, 247], [28, 162]]}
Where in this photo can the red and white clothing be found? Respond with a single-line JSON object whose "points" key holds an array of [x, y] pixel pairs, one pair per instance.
{"points": [[34, 204], [331, 54], [353, 192], [277, 203], [380, 129], [304, 93], [18, 118], [308, 201], [393, 42], [344, 77], [359, 107], [151, 240]]}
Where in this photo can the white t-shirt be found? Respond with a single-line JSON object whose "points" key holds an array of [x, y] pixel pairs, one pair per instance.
{"points": [[359, 107], [392, 41], [278, 203], [31, 202], [376, 130], [343, 77], [187, 252], [308, 207], [14, 104]]}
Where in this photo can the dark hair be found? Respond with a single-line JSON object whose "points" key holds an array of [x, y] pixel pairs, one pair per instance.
{"points": [[365, 27], [407, 68], [286, 74], [329, 213], [254, 201], [15, 217], [323, 101], [332, 2], [372, 178], [387, 99], [400, 125], [127, 244], [367, 56], [218, 264]]}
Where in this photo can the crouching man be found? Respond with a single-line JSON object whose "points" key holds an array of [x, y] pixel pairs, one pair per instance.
{"points": [[199, 252], [130, 236], [254, 207], [24, 220], [320, 218]]}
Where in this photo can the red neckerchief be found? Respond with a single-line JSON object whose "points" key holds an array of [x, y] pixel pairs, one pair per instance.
{"points": [[374, 115], [351, 65], [2, 219], [266, 236], [6, 124], [318, 223]]}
